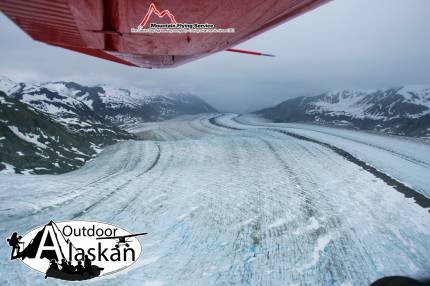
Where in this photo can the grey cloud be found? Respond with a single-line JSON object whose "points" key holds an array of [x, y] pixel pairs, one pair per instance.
{"points": [[344, 44]]}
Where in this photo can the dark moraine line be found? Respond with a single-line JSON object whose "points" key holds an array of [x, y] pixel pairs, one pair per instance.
{"points": [[213, 121], [236, 119], [420, 199], [118, 188]]}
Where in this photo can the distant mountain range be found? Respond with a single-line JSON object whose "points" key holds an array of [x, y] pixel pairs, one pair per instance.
{"points": [[55, 127], [401, 110], [124, 106]]}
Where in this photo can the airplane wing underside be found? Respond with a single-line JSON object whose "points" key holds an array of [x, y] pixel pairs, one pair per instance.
{"points": [[102, 28]]}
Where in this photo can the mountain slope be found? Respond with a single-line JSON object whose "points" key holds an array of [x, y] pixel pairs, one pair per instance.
{"points": [[63, 108], [30, 141], [401, 110]]}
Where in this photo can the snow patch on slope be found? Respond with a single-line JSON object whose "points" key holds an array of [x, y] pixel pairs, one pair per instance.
{"points": [[29, 137]]}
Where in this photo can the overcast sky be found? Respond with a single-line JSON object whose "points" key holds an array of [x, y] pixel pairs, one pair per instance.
{"points": [[362, 44]]}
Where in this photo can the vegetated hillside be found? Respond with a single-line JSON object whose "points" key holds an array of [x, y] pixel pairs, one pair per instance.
{"points": [[400, 111], [32, 142]]}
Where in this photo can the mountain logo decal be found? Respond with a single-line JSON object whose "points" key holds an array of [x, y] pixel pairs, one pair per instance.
{"points": [[76, 250], [153, 10]]}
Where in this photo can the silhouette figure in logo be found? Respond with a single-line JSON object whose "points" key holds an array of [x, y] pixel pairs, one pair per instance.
{"points": [[14, 241], [54, 265], [70, 268], [87, 264], [80, 268], [63, 264]]}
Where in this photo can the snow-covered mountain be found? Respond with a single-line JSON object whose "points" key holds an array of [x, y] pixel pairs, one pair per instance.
{"points": [[124, 106], [401, 110], [73, 103], [57, 126], [61, 106]]}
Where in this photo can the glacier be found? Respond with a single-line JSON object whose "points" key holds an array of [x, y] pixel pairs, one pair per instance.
{"points": [[226, 200]]}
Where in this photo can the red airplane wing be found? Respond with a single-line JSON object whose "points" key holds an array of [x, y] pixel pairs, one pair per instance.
{"points": [[102, 28]]}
